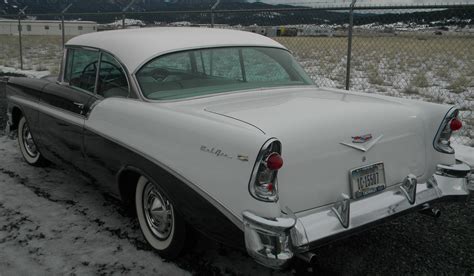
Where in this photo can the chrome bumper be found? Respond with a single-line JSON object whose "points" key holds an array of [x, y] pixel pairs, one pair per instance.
{"points": [[273, 242]]}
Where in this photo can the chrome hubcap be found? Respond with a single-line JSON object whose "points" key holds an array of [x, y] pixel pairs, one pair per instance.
{"points": [[158, 212], [28, 142]]}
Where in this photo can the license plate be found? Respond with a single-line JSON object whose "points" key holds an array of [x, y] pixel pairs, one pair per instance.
{"points": [[367, 180]]}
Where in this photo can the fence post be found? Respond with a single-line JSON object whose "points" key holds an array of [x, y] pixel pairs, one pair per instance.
{"points": [[123, 20], [19, 40], [349, 45], [213, 8], [63, 31], [20, 13]]}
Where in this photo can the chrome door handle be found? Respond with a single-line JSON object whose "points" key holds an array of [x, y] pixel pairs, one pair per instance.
{"points": [[79, 105]]}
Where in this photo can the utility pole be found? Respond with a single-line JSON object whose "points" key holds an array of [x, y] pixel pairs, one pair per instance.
{"points": [[213, 8], [63, 32], [125, 10]]}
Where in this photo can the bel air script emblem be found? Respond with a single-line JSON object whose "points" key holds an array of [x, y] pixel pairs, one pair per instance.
{"points": [[362, 138], [220, 153]]}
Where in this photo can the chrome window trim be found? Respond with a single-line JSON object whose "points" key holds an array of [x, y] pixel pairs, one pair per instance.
{"points": [[123, 67], [97, 73], [63, 67], [139, 67], [70, 117]]}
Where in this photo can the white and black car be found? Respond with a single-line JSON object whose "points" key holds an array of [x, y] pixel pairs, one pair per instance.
{"points": [[190, 127]]}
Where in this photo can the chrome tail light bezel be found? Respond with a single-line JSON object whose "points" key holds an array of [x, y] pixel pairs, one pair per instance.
{"points": [[273, 145], [442, 139]]}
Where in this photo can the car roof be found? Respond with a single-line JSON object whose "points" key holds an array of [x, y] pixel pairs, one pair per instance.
{"points": [[134, 47]]}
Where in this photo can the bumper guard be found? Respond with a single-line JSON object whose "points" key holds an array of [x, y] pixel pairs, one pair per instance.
{"points": [[274, 242]]}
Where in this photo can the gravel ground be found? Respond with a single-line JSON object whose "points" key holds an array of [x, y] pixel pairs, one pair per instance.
{"points": [[52, 222]]}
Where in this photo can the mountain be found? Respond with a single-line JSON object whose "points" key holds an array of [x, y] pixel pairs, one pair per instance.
{"points": [[297, 15], [54, 6]]}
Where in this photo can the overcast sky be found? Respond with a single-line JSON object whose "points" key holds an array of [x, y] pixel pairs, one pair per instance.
{"points": [[367, 2]]}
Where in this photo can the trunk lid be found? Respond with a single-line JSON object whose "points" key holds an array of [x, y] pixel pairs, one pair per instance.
{"points": [[313, 124]]}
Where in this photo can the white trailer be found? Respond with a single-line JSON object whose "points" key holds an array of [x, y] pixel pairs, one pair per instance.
{"points": [[46, 27]]}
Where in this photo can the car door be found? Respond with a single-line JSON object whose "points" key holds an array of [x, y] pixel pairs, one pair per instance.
{"points": [[104, 157], [65, 106]]}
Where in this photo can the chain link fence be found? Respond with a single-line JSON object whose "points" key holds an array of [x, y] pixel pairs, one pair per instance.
{"points": [[417, 52]]}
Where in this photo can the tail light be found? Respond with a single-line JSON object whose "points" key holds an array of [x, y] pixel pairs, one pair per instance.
{"points": [[264, 182], [450, 123], [455, 124]]}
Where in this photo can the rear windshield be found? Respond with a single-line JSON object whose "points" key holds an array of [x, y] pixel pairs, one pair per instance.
{"points": [[217, 70]]}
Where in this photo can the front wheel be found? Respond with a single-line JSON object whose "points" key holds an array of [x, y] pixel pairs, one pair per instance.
{"points": [[161, 226], [28, 148]]}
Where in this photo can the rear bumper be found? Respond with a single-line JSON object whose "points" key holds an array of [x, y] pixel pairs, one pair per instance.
{"points": [[274, 242]]}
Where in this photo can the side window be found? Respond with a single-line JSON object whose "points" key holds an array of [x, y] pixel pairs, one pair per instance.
{"points": [[81, 68], [112, 79]]}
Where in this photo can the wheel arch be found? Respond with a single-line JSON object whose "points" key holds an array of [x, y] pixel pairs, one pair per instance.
{"points": [[127, 179], [16, 114]]}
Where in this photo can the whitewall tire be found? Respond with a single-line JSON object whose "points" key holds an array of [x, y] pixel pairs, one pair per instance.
{"points": [[27, 145], [161, 226]]}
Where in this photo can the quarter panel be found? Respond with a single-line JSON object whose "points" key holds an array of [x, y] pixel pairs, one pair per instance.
{"points": [[200, 148], [30, 90], [106, 159]]}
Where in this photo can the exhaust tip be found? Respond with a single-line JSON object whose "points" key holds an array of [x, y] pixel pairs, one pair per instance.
{"points": [[308, 257], [432, 212]]}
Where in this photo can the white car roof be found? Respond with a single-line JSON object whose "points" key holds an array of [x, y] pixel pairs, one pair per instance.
{"points": [[133, 47]]}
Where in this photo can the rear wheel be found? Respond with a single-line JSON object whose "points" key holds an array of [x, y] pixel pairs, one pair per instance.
{"points": [[161, 226], [28, 148]]}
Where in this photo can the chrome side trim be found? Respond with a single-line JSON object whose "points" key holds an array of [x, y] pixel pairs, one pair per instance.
{"points": [[67, 116], [216, 203], [78, 120]]}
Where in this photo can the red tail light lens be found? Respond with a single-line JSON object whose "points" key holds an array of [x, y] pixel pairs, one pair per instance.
{"points": [[455, 124], [274, 161]]}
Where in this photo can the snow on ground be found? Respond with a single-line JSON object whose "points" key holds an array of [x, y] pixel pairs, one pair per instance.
{"points": [[28, 73], [53, 222], [128, 22], [464, 153], [69, 230]]}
